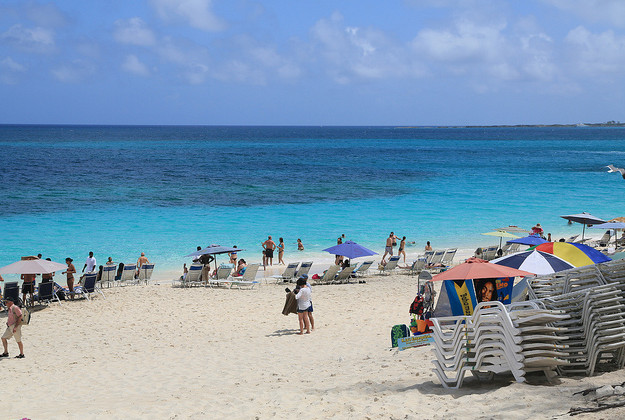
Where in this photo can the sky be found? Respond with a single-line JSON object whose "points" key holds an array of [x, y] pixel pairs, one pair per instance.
{"points": [[312, 62]]}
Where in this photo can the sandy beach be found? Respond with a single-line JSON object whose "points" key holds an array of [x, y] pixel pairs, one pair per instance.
{"points": [[161, 352]]}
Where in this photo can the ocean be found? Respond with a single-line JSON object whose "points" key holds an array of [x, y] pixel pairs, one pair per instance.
{"points": [[163, 190]]}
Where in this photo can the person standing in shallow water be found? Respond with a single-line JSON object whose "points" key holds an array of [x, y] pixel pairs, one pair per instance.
{"points": [[281, 251], [300, 245], [402, 246], [269, 245], [428, 247]]}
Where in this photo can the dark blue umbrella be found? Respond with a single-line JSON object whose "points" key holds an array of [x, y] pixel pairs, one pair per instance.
{"points": [[528, 240], [350, 249]]}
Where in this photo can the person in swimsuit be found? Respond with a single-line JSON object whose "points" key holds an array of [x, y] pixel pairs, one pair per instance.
{"points": [[70, 275], [390, 242], [300, 245], [269, 245], [233, 256], [401, 250], [428, 247], [338, 260], [281, 251]]}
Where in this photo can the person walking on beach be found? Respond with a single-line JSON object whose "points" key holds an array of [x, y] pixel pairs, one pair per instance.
{"points": [[303, 303], [300, 245], [90, 263], [269, 245], [390, 243], [70, 275], [14, 328], [281, 251], [402, 246]]}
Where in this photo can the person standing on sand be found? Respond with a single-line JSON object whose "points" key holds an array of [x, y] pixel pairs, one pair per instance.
{"points": [[28, 287], [90, 263], [428, 247], [402, 246], [70, 275], [269, 245], [300, 245], [390, 242], [339, 258], [281, 251], [14, 328], [302, 294]]}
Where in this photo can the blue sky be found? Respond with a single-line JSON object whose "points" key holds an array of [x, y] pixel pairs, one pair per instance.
{"points": [[305, 62]]}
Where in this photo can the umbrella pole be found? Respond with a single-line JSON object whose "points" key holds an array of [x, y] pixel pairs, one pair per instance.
{"points": [[583, 231]]}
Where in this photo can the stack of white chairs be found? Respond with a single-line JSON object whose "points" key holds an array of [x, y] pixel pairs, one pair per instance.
{"points": [[494, 340], [595, 333], [565, 281]]}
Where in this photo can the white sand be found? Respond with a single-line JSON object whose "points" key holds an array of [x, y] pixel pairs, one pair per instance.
{"points": [[162, 352]]}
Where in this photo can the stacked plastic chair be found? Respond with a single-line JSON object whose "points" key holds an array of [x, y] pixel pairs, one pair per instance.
{"points": [[595, 333], [494, 340]]}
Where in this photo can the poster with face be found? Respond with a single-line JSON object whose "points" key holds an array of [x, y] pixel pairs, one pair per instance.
{"points": [[489, 290]]}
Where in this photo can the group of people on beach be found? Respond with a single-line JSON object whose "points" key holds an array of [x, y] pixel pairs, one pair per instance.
{"points": [[269, 246], [391, 243]]}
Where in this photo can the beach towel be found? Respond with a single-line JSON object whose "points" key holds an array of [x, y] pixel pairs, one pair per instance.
{"points": [[290, 305]]}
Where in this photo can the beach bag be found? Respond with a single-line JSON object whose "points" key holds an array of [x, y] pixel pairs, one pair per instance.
{"points": [[397, 332], [417, 305], [25, 316]]}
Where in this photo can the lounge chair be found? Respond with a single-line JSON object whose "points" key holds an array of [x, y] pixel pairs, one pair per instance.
{"points": [[362, 269], [145, 273], [191, 278], [12, 289], [390, 265], [344, 275], [437, 258], [289, 273], [223, 272], [428, 256], [128, 275], [45, 293], [108, 275], [417, 266], [448, 258], [248, 279], [329, 275], [303, 269], [88, 287]]}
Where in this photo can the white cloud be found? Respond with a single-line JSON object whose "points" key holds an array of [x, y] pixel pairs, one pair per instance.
{"points": [[133, 65], [36, 39], [133, 31], [196, 13], [610, 11], [75, 72], [596, 53], [350, 52], [9, 64]]}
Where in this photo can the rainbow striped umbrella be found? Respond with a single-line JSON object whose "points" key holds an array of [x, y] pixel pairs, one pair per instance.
{"points": [[577, 254]]}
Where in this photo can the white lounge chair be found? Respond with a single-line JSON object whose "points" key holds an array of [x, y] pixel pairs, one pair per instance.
{"points": [[192, 278], [303, 269], [247, 280], [390, 265], [329, 275], [362, 269], [145, 273], [288, 274], [344, 275], [128, 274], [108, 274]]}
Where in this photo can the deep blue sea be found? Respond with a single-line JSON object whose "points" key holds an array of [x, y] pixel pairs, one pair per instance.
{"points": [[116, 190]]}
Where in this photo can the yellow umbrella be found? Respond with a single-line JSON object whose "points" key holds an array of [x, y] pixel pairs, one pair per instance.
{"points": [[501, 234]]}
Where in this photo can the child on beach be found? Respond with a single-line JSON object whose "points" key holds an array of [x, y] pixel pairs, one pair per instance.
{"points": [[303, 304]]}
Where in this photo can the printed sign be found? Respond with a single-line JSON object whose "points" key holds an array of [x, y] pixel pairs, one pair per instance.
{"points": [[414, 341]]}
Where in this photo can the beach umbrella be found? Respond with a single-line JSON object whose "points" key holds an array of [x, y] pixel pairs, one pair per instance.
{"points": [[611, 225], [32, 266], [528, 240], [513, 229], [350, 249], [577, 254], [585, 219], [534, 261], [214, 250], [501, 234], [475, 268]]}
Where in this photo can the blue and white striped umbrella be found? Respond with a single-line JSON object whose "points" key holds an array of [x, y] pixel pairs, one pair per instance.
{"points": [[534, 261]]}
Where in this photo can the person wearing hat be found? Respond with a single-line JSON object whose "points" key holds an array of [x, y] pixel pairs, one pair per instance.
{"points": [[14, 328]]}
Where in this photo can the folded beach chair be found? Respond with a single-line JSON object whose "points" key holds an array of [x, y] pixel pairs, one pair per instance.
{"points": [[247, 280], [45, 293], [128, 275], [390, 265], [145, 273], [289, 273], [303, 269], [362, 269], [329, 275], [108, 275]]}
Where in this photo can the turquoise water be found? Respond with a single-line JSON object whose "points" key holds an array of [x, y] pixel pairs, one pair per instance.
{"points": [[118, 191]]}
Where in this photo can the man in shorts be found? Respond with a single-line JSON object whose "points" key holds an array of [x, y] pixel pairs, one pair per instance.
{"points": [[14, 328], [388, 249], [269, 245]]}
